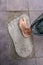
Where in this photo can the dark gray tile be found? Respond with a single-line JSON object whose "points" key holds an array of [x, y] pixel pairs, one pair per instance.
{"points": [[39, 61], [38, 44], [17, 5], [35, 4]]}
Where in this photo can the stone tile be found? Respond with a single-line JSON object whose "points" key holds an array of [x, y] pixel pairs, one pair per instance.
{"points": [[31, 61], [3, 36], [4, 61], [3, 5], [38, 44], [18, 62], [21, 62], [39, 61], [34, 14], [3, 22], [17, 5], [35, 4]]}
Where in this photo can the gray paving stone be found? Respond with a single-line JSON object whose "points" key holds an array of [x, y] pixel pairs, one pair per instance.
{"points": [[31, 61], [35, 4], [39, 61], [17, 5], [3, 36], [12, 15], [3, 5], [38, 44]]}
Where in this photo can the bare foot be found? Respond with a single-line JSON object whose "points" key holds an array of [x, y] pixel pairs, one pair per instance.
{"points": [[24, 28]]}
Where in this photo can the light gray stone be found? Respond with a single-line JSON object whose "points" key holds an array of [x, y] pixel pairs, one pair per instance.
{"points": [[23, 46]]}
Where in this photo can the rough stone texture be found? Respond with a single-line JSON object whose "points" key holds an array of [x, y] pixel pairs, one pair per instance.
{"points": [[23, 46]]}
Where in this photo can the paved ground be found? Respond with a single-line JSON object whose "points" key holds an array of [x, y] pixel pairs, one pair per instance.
{"points": [[34, 8]]}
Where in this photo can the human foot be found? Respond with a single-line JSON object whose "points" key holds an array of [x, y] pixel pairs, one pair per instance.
{"points": [[24, 28]]}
